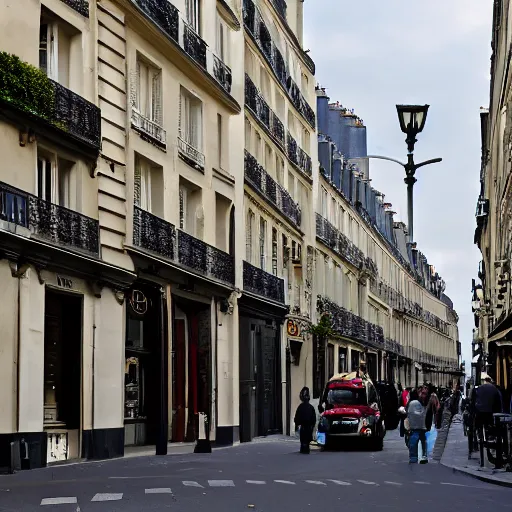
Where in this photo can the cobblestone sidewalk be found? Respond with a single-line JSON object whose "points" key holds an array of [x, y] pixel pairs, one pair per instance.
{"points": [[455, 456]]}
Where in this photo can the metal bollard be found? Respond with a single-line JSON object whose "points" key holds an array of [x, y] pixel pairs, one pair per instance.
{"points": [[203, 444]]}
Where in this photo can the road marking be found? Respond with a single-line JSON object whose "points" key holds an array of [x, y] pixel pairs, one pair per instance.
{"points": [[392, 483], [188, 483], [315, 482], [108, 496], [456, 485], [340, 482], [221, 483], [256, 482], [422, 483], [159, 490], [366, 482], [287, 482], [57, 501]]}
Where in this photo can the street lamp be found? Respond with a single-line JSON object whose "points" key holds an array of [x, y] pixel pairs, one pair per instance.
{"points": [[412, 121]]}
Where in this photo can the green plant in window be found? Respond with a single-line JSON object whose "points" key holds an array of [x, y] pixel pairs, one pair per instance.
{"points": [[26, 87]]}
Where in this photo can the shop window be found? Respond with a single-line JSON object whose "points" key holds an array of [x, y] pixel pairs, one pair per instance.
{"points": [[342, 360]]}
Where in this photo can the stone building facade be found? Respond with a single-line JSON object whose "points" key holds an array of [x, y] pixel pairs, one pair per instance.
{"points": [[167, 237]]}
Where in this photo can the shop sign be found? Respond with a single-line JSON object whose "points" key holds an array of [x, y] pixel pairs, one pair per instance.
{"points": [[292, 328], [138, 302], [64, 282]]}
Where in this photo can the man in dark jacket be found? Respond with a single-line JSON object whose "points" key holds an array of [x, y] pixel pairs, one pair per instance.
{"points": [[487, 401], [305, 418]]}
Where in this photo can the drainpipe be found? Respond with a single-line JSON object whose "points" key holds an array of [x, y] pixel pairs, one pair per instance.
{"points": [[161, 446], [18, 334], [288, 389]]}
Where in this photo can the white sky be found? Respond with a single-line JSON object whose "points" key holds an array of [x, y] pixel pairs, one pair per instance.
{"points": [[371, 55]]}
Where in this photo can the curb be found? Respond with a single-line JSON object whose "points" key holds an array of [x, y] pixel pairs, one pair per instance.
{"points": [[483, 478]]}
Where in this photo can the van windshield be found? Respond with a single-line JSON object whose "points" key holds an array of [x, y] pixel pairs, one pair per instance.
{"points": [[346, 397]]}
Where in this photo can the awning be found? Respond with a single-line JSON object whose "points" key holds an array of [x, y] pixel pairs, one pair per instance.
{"points": [[499, 336]]}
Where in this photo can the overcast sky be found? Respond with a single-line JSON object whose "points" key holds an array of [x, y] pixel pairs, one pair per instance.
{"points": [[371, 55]]}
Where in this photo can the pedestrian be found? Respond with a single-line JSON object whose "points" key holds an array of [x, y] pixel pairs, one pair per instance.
{"points": [[487, 401], [404, 400], [305, 419], [416, 415]]}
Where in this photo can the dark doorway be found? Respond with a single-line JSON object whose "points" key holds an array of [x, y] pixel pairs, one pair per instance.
{"points": [[62, 360], [330, 360], [342, 360], [354, 360], [371, 364], [260, 379]]}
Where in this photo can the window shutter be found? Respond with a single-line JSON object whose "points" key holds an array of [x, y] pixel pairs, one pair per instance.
{"points": [[40, 177], [195, 111], [135, 87], [248, 237], [182, 208], [137, 183], [156, 107], [180, 115], [43, 48], [48, 180]]}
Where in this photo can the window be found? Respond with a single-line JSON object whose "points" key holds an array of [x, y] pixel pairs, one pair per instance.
{"points": [[192, 13], [148, 186], [265, 83], [248, 135], [263, 236], [191, 119], [183, 208], [280, 105], [334, 211], [323, 202], [55, 178], [48, 41], [219, 140], [341, 220], [249, 229], [305, 83], [280, 170], [274, 251], [249, 62], [257, 146], [291, 184], [221, 44], [269, 161], [147, 92]]}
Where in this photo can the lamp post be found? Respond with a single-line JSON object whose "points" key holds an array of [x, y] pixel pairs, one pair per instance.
{"points": [[412, 121]]}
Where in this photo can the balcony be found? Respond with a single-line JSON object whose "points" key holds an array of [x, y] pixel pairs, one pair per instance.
{"points": [[351, 326], [48, 221], [80, 6], [163, 14], [194, 46], [280, 6], [256, 27], [222, 73], [190, 154], [339, 243], [148, 129], [274, 193], [298, 156], [30, 98], [162, 239], [259, 282], [259, 107]]}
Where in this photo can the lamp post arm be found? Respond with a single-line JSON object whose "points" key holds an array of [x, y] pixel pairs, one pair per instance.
{"points": [[428, 162], [380, 157]]}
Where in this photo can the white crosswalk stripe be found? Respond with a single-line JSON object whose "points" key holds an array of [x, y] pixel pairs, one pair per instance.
{"points": [[315, 482], [108, 496], [392, 483], [189, 483], [58, 501], [422, 483], [455, 485], [284, 482], [366, 482], [256, 482], [340, 482], [159, 490], [221, 483]]}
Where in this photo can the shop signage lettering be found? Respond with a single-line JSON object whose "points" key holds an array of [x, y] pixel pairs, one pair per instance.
{"points": [[138, 302], [64, 282]]}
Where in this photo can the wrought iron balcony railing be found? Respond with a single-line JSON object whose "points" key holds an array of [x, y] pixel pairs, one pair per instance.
{"points": [[190, 153], [194, 45], [80, 6], [397, 301], [280, 6], [255, 101], [275, 194], [259, 282], [163, 14], [339, 243], [298, 156], [255, 25], [48, 221], [161, 238], [222, 73], [349, 325], [148, 129], [30, 92]]}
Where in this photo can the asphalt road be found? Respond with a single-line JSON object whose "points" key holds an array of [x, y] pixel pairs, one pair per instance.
{"points": [[265, 476]]}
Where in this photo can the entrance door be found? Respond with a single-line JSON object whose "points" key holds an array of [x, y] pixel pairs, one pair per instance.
{"points": [[179, 381], [248, 365], [62, 372]]}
